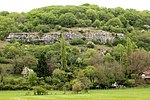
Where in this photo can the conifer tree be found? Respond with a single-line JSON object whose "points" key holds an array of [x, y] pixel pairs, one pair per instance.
{"points": [[63, 52], [42, 68]]}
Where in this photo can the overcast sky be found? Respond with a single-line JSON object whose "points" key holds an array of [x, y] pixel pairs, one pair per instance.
{"points": [[27, 5]]}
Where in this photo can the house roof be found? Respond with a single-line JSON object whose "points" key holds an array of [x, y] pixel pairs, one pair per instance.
{"points": [[146, 72]]}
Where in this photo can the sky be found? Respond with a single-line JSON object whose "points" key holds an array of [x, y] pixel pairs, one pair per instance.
{"points": [[27, 5]]}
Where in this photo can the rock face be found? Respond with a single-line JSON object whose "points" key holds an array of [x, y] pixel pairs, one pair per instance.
{"points": [[53, 37]]}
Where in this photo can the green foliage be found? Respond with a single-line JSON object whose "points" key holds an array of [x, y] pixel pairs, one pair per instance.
{"points": [[32, 78], [90, 45], [119, 41], [60, 63], [77, 41], [58, 27], [91, 14], [3, 60], [96, 41], [46, 18], [7, 25], [40, 91], [76, 87], [109, 73], [81, 23], [63, 52], [42, 28], [96, 23], [15, 83], [68, 20], [42, 68], [115, 22]]}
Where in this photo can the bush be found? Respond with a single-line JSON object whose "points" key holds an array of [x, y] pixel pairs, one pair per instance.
{"points": [[58, 27], [97, 41], [81, 30], [4, 60], [76, 87], [90, 45], [14, 87], [130, 83], [77, 41], [64, 29], [32, 78], [40, 91], [96, 23]]}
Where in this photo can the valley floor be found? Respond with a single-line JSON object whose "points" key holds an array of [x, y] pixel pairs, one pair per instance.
{"points": [[113, 94]]}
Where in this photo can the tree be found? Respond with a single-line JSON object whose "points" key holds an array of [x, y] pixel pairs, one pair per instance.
{"points": [[2, 73], [115, 22], [68, 20], [85, 82], [29, 61], [118, 11], [42, 28], [104, 15], [130, 46], [119, 52], [96, 23], [91, 14], [42, 68], [7, 25], [90, 73], [18, 65], [90, 57], [59, 74], [63, 52], [80, 15], [140, 61], [48, 18], [76, 87], [108, 73], [81, 23], [32, 78], [11, 51]]}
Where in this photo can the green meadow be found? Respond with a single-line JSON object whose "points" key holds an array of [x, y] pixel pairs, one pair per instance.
{"points": [[112, 94]]}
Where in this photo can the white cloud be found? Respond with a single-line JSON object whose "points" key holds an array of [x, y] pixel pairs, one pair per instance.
{"points": [[27, 5]]}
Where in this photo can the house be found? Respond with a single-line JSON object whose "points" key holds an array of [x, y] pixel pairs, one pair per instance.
{"points": [[26, 71], [146, 74]]}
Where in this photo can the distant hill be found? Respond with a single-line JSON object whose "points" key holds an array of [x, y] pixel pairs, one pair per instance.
{"points": [[45, 19]]}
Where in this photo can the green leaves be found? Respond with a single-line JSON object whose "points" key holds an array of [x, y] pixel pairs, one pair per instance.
{"points": [[68, 20]]}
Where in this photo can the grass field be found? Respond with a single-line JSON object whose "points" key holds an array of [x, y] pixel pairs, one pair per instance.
{"points": [[120, 94]]}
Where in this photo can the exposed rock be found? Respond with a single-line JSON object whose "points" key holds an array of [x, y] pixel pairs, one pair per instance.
{"points": [[48, 38]]}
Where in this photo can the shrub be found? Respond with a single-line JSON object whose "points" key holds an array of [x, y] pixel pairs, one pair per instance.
{"points": [[76, 87], [97, 41], [130, 82], [4, 60], [96, 23], [32, 78], [64, 29], [90, 45], [77, 41], [40, 91], [58, 27], [81, 30]]}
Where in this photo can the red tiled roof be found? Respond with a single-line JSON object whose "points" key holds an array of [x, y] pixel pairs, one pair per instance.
{"points": [[146, 72]]}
